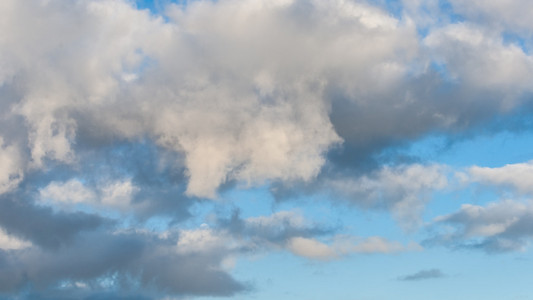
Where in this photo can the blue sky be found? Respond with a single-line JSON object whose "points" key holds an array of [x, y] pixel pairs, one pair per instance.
{"points": [[260, 149]]}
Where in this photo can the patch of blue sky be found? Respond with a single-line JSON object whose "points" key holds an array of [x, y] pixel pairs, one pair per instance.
{"points": [[133, 72], [251, 202], [447, 10], [446, 15], [449, 201], [467, 275], [518, 40], [157, 7], [442, 69], [339, 216], [393, 7], [490, 149]]}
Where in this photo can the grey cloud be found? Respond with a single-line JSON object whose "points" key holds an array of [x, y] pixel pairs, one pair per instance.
{"points": [[43, 226], [156, 174], [401, 189], [274, 230], [134, 178], [290, 231], [498, 227], [504, 15], [129, 262], [423, 275]]}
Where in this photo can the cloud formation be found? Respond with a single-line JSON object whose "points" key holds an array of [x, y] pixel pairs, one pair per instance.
{"points": [[403, 189], [118, 125], [516, 177], [346, 245], [135, 263], [495, 228]]}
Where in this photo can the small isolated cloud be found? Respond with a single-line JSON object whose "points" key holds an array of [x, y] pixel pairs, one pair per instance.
{"points": [[423, 275]]}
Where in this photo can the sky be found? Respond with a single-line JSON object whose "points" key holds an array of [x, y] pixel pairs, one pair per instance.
{"points": [[266, 149]]}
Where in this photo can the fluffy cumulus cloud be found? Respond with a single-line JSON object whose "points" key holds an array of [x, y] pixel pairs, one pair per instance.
{"points": [[120, 126], [243, 101], [468, 50]]}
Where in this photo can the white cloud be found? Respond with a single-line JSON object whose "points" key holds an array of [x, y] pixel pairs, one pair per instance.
{"points": [[496, 227], [310, 248], [118, 194], [491, 220], [468, 50], [288, 218], [202, 240], [9, 242], [506, 14], [114, 195], [403, 189], [516, 176], [11, 167], [241, 96], [343, 245], [382, 245], [69, 192]]}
